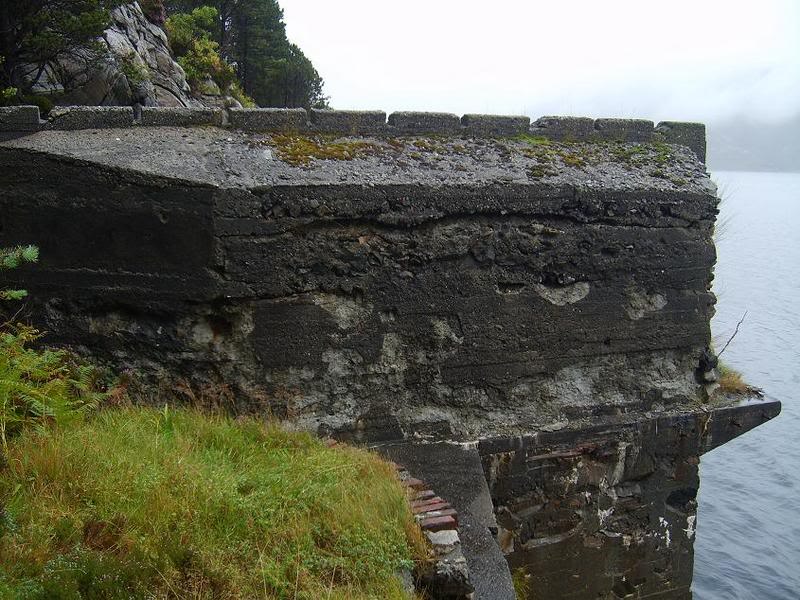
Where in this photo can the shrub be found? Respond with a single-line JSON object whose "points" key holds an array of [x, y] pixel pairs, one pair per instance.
{"points": [[44, 103], [42, 386], [135, 71], [236, 92], [203, 61], [183, 29]]}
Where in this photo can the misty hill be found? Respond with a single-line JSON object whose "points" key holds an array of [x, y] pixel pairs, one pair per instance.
{"points": [[742, 145]]}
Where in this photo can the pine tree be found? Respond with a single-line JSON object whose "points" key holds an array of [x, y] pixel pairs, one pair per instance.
{"points": [[40, 31]]}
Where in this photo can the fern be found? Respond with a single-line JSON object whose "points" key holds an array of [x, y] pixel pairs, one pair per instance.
{"points": [[11, 258], [39, 387]]}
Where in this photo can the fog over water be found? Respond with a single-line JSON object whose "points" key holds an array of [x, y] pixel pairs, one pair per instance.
{"points": [[687, 60]]}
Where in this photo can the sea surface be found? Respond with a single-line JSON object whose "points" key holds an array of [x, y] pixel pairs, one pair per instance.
{"points": [[748, 529]]}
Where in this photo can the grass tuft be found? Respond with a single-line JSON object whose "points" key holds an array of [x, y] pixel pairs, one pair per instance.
{"points": [[731, 382], [140, 503]]}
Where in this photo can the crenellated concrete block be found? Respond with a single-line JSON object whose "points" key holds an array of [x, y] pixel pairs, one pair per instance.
{"points": [[624, 130], [692, 135], [349, 122], [564, 128], [418, 123], [19, 118], [268, 119], [491, 125], [180, 117], [91, 117]]}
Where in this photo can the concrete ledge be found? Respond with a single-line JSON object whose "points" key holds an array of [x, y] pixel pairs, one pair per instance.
{"points": [[268, 119], [624, 130], [564, 128], [180, 117], [19, 118], [692, 135], [91, 117], [412, 123], [489, 125], [350, 122]]}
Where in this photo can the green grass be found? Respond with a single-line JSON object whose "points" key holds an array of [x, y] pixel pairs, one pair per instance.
{"points": [[140, 503]]}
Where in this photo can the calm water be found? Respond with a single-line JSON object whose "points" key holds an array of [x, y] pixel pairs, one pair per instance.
{"points": [[748, 532]]}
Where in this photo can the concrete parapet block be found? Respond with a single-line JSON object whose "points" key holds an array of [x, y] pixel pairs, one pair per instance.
{"points": [[349, 122], [692, 135], [91, 117], [180, 117], [564, 128], [489, 125], [268, 119], [19, 118], [416, 123], [624, 130]]}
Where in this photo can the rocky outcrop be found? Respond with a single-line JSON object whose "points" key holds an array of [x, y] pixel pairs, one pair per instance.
{"points": [[134, 66]]}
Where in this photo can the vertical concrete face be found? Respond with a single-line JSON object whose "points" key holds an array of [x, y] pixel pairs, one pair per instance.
{"points": [[608, 512], [548, 301]]}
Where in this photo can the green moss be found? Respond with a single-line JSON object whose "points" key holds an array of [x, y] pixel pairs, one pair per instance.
{"points": [[300, 150], [534, 140], [573, 160]]}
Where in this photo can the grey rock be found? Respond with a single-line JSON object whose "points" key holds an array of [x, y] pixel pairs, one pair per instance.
{"points": [[134, 65]]}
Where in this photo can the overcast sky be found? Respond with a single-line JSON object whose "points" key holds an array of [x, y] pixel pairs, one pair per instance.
{"points": [[678, 59]]}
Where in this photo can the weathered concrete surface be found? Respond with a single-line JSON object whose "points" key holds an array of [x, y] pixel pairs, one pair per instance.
{"points": [[609, 511], [550, 300], [455, 472], [433, 286]]}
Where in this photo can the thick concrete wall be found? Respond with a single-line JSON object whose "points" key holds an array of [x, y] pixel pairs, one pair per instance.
{"points": [[540, 293], [351, 122], [384, 311]]}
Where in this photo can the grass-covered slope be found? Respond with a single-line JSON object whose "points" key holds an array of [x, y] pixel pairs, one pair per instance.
{"points": [[139, 503]]}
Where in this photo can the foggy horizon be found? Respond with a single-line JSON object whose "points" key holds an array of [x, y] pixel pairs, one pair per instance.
{"points": [[704, 62]]}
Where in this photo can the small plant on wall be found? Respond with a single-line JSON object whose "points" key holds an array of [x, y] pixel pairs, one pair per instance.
{"points": [[11, 258]]}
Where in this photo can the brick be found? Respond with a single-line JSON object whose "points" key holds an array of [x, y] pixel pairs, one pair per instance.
{"points": [[419, 123], [495, 125], [414, 483], [431, 500], [287, 120], [424, 495], [438, 524], [429, 507], [447, 512], [19, 118]]}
